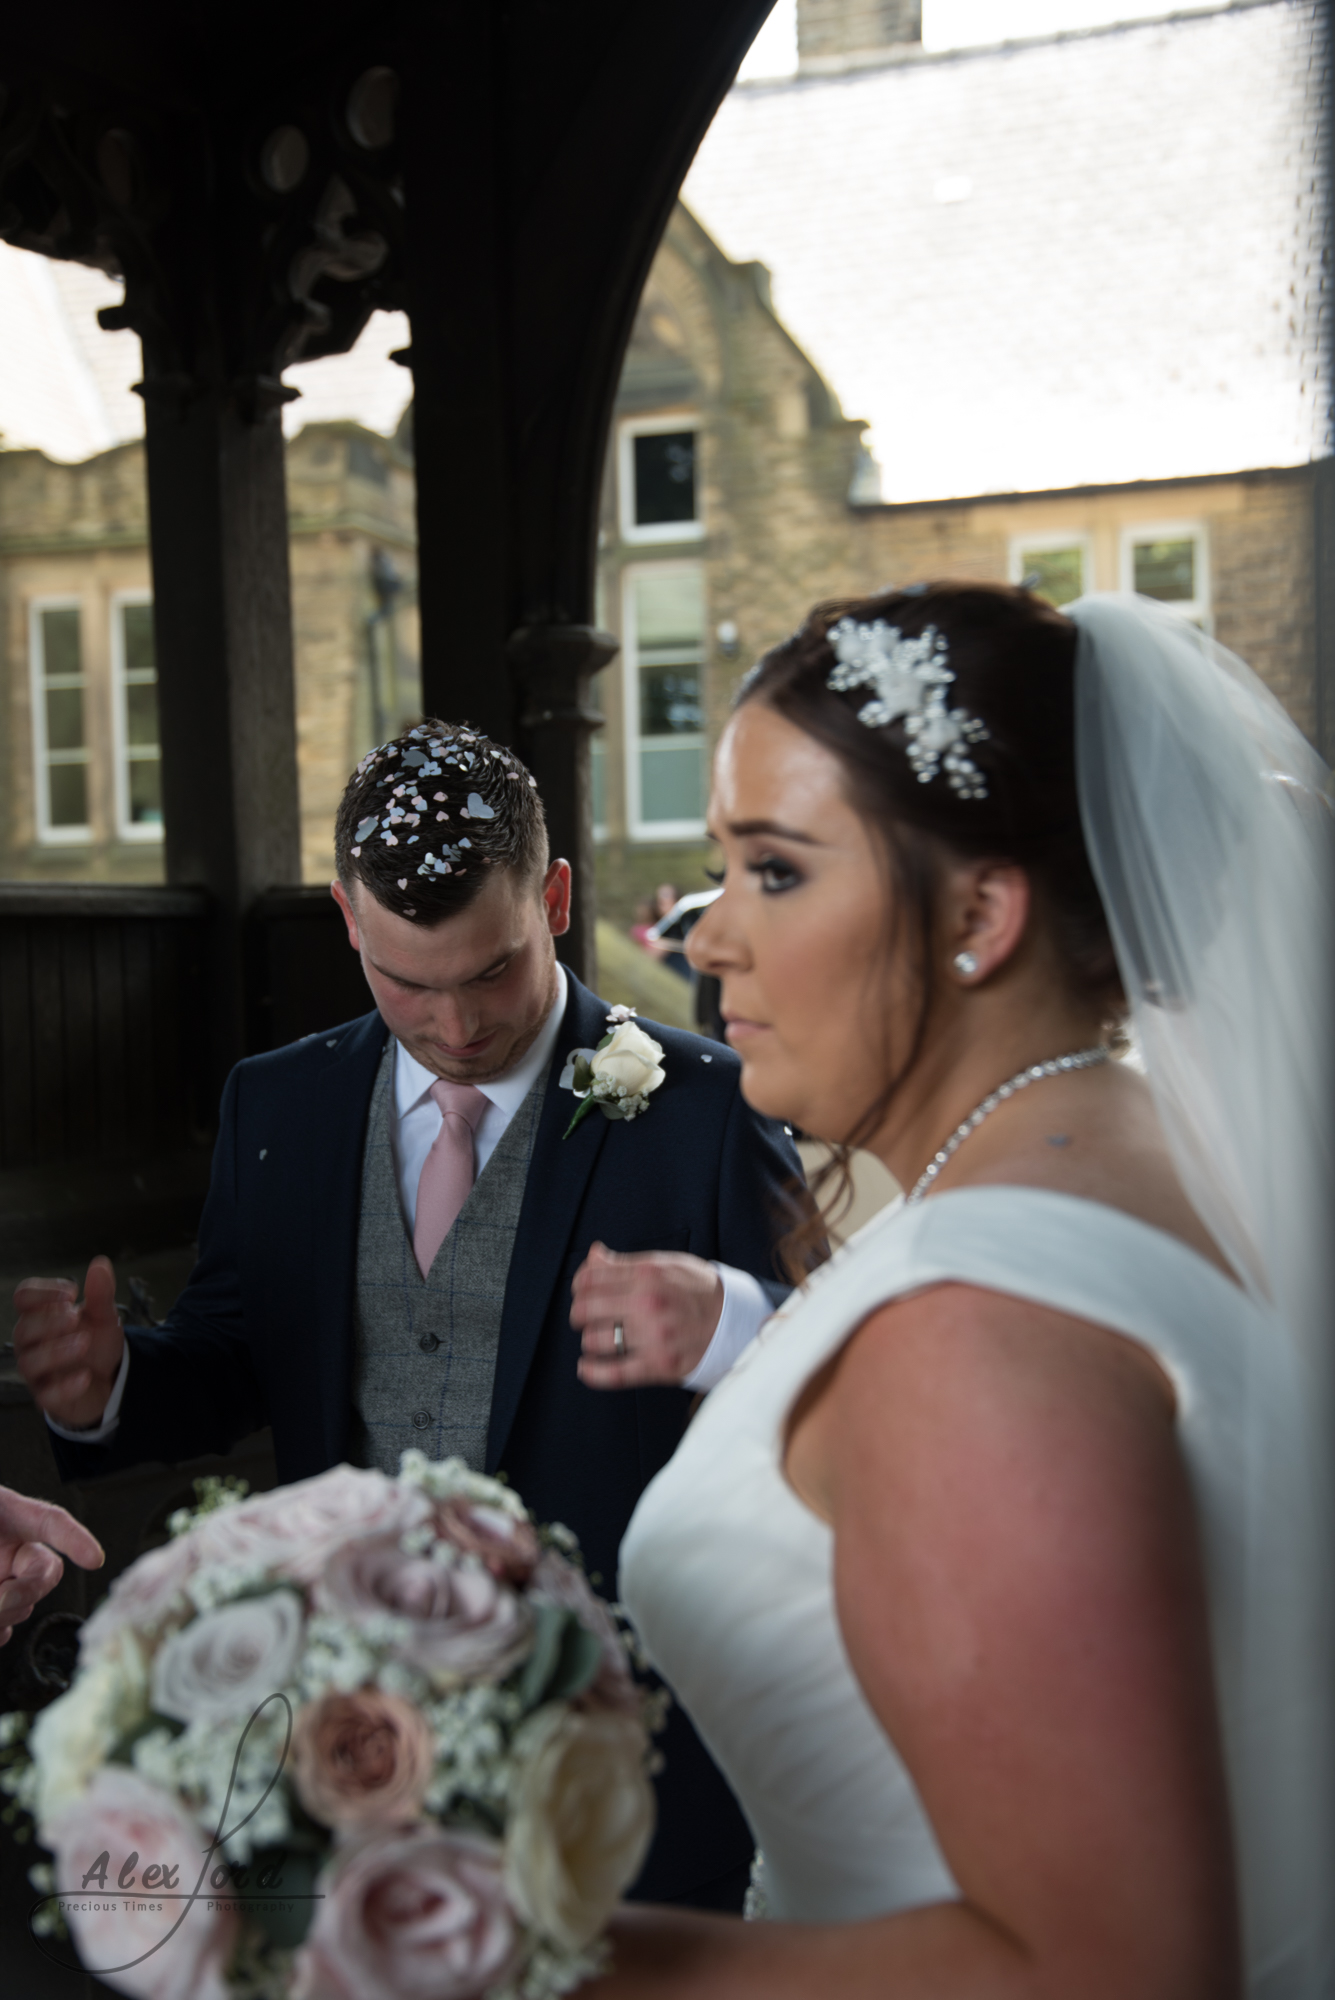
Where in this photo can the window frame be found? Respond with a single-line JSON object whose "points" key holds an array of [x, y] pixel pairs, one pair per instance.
{"points": [[639, 829], [126, 829], [1198, 609], [654, 531], [1023, 546], [42, 755]]}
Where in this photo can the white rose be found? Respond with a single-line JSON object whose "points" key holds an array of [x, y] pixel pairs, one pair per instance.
{"points": [[156, 1947], [72, 1737], [632, 1059], [229, 1660], [581, 1821]]}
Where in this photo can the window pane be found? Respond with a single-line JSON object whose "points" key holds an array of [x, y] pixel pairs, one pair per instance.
{"points": [[64, 718], [672, 782], [670, 702], [669, 610], [137, 627], [141, 714], [67, 794], [60, 642], [664, 477], [599, 780], [1166, 570], [1061, 573], [145, 789]]}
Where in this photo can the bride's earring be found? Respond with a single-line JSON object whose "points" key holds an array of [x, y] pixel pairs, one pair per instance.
{"points": [[965, 964]]}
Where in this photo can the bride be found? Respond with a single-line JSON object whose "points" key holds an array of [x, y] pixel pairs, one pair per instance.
{"points": [[992, 1576]]}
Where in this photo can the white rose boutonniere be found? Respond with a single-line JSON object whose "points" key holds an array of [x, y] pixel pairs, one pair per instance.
{"points": [[619, 1074]]}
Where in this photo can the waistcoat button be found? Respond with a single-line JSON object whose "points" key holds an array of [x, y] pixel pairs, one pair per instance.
{"points": [[421, 1418], [429, 1342]]}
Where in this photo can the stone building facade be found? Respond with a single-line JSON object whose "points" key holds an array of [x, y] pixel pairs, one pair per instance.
{"points": [[725, 504], [783, 514], [78, 738]]}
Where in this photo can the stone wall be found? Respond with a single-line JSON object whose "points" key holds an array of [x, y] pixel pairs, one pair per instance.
{"points": [[82, 531], [777, 458], [830, 30], [1258, 537]]}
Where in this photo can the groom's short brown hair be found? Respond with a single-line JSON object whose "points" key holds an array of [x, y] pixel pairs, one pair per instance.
{"points": [[427, 817]]}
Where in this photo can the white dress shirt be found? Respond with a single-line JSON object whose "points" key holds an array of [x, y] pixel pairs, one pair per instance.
{"points": [[413, 1133]]}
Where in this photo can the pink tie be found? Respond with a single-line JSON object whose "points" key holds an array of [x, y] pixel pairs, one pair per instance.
{"points": [[447, 1172]]}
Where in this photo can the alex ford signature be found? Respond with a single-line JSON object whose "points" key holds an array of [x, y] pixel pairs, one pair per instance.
{"points": [[150, 1886]]}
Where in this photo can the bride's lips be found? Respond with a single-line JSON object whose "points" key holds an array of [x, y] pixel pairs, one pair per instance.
{"points": [[740, 1030]]}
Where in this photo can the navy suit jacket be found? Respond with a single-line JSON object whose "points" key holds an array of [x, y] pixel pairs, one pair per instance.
{"points": [[263, 1332]]}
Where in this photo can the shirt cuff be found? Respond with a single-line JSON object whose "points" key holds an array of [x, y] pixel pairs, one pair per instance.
{"points": [[111, 1416], [745, 1310]]}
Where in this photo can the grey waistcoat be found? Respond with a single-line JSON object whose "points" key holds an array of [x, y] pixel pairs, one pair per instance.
{"points": [[424, 1355]]}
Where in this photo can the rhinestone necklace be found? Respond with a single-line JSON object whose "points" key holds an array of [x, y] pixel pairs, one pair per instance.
{"points": [[1055, 1066]]}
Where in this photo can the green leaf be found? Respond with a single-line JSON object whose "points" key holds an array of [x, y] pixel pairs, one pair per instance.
{"points": [[581, 1113], [579, 1662], [583, 1075], [564, 1659], [543, 1662], [122, 1751], [284, 1910]]}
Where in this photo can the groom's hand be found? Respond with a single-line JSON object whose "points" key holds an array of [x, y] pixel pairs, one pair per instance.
{"points": [[666, 1303], [68, 1352]]}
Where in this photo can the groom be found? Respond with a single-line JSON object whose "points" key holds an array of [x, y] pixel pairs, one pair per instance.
{"points": [[398, 1211]]}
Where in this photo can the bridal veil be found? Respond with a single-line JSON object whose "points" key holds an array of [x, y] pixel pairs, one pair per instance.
{"points": [[1208, 820]]}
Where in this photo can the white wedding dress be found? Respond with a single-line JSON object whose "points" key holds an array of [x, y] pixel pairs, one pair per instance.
{"points": [[728, 1576]]}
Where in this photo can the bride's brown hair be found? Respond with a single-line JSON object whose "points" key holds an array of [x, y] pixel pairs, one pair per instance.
{"points": [[1013, 659]]}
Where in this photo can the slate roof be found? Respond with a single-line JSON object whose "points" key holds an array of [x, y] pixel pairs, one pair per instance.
{"points": [[1088, 259]]}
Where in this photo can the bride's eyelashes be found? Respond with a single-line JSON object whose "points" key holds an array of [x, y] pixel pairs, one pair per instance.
{"points": [[776, 874]]}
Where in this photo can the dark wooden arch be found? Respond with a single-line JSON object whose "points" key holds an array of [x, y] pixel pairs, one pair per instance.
{"points": [[508, 191]]}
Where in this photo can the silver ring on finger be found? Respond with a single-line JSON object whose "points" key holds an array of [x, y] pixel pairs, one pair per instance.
{"points": [[619, 1341]]}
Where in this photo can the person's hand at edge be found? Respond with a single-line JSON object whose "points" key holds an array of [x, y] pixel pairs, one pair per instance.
{"points": [[31, 1532]]}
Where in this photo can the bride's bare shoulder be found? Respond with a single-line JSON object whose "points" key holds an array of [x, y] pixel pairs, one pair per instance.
{"points": [[956, 1357]]}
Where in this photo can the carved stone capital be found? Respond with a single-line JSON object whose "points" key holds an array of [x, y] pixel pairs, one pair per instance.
{"points": [[245, 244], [554, 664]]}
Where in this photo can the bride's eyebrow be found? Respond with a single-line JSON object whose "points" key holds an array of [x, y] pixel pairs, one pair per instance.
{"points": [[741, 828]]}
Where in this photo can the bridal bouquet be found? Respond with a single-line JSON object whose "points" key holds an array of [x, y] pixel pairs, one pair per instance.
{"points": [[361, 1738]]}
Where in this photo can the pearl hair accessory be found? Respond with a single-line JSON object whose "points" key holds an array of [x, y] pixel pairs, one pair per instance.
{"points": [[910, 678], [965, 963], [1055, 1066]]}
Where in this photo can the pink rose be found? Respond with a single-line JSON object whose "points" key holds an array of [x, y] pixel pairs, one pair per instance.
{"points": [[508, 1547], [293, 1531], [144, 1595], [420, 1915], [465, 1621], [361, 1760], [153, 1946], [558, 1582]]}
